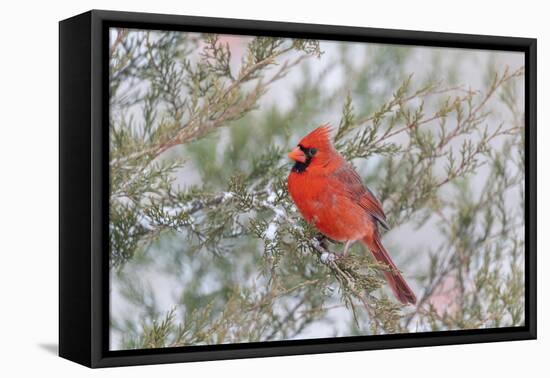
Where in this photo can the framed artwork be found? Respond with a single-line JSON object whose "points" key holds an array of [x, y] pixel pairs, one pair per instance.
{"points": [[235, 188]]}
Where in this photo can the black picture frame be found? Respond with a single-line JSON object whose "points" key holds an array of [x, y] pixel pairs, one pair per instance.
{"points": [[83, 181]]}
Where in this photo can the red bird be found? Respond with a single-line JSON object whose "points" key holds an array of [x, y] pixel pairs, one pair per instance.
{"points": [[331, 196]]}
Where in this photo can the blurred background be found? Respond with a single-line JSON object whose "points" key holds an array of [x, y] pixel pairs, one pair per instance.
{"points": [[207, 248]]}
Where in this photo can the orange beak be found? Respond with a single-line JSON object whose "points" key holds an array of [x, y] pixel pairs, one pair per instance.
{"points": [[297, 155]]}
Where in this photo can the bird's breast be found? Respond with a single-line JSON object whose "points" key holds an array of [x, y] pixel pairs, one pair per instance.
{"points": [[331, 212], [305, 192]]}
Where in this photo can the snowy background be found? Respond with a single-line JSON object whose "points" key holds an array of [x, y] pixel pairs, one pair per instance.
{"points": [[163, 274]]}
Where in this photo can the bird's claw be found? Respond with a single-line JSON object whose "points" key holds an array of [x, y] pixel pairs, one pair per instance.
{"points": [[341, 256]]}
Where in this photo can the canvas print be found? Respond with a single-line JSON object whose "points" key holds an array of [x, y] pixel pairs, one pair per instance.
{"points": [[268, 189]]}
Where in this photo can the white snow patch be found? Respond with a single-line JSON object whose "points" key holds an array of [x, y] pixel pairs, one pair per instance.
{"points": [[227, 196], [271, 198], [327, 257], [145, 221], [187, 207], [172, 211], [271, 231], [279, 213]]}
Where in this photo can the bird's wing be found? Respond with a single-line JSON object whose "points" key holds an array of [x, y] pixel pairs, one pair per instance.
{"points": [[350, 183]]}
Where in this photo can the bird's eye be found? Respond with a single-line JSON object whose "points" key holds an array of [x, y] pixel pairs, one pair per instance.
{"points": [[312, 151]]}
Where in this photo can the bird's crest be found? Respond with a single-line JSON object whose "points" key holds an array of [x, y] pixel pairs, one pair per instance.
{"points": [[318, 138]]}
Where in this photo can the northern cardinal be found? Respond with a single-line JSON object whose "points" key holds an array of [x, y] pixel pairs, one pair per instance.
{"points": [[331, 196]]}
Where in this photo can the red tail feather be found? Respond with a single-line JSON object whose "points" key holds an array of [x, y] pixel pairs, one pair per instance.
{"points": [[399, 286]]}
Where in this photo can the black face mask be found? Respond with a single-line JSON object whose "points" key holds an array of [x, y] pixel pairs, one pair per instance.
{"points": [[300, 167]]}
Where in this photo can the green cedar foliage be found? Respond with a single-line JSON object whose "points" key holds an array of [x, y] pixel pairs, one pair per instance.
{"points": [[231, 255]]}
